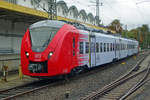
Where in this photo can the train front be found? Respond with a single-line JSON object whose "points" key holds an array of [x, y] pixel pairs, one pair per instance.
{"points": [[38, 47]]}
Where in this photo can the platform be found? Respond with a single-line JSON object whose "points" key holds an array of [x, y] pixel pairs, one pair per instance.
{"points": [[14, 81]]}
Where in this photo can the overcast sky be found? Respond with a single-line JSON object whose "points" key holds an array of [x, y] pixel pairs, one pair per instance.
{"points": [[132, 13]]}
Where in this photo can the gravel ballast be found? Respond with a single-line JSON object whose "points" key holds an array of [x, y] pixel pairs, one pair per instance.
{"points": [[82, 85], [142, 93]]}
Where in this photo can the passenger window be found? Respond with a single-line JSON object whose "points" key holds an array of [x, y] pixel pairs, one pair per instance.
{"points": [[107, 47], [87, 47], [104, 47], [111, 46], [81, 47], [101, 47], [97, 47]]}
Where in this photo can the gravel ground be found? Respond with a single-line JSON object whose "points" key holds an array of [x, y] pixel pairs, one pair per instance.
{"points": [[84, 84]]}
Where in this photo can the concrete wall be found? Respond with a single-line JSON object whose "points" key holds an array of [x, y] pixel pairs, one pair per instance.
{"points": [[10, 36], [10, 42], [13, 61]]}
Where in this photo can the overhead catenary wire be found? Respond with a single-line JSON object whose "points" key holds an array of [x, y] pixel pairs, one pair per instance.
{"points": [[117, 14], [139, 11]]}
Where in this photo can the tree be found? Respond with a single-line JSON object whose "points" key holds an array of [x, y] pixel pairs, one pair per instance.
{"points": [[145, 34], [116, 26], [141, 34]]}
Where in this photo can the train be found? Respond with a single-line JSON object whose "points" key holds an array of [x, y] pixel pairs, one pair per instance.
{"points": [[52, 48]]}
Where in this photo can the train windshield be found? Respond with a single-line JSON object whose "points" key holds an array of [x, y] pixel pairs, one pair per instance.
{"points": [[41, 36]]}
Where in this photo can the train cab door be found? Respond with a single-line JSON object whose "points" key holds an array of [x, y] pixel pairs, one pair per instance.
{"points": [[74, 47], [92, 50]]}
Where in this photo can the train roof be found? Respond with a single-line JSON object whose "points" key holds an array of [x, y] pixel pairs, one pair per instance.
{"points": [[108, 36], [59, 24], [48, 23]]}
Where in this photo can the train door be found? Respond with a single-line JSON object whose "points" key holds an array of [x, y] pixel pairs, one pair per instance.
{"points": [[119, 48], [93, 50], [128, 48], [73, 48], [114, 45]]}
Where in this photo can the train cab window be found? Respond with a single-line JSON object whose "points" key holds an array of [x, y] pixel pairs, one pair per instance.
{"points": [[107, 47], [97, 47], [104, 47], [41, 36], [101, 47], [87, 47], [81, 47], [73, 42]]}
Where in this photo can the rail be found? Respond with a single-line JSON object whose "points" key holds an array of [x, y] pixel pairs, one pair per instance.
{"points": [[132, 73]]}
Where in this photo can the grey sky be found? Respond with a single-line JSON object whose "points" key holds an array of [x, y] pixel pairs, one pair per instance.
{"points": [[131, 12]]}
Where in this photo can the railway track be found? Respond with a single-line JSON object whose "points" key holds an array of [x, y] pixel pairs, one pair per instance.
{"points": [[31, 87], [37, 85], [124, 86]]}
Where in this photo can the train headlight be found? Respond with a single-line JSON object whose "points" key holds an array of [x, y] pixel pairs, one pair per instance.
{"points": [[27, 54], [50, 54]]}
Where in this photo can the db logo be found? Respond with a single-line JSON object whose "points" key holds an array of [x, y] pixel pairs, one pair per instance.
{"points": [[37, 55]]}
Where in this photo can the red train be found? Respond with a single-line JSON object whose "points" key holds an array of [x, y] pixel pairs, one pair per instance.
{"points": [[51, 48]]}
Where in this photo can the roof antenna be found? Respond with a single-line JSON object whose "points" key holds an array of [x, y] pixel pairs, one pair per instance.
{"points": [[52, 9]]}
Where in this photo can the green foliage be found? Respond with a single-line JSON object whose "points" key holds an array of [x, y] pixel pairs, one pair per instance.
{"points": [[116, 26], [141, 34]]}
